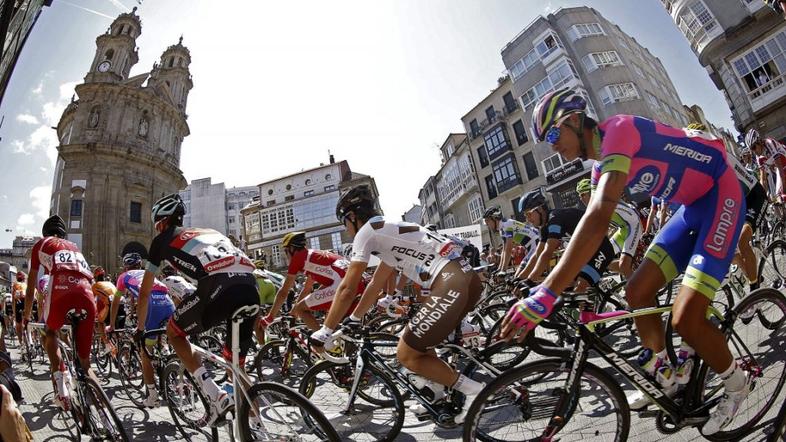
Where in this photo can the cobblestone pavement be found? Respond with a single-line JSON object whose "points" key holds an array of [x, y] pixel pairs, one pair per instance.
{"points": [[155, 425]]}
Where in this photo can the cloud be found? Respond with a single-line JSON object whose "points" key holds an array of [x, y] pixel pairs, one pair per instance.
{"points": [[40, 197], [39, 90], [26, 219], [24, 231], [27, 118], [43, 138], [549, 8]]}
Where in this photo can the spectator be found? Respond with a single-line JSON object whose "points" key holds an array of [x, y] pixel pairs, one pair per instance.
{"points": [[12, 425], [779, 6]]}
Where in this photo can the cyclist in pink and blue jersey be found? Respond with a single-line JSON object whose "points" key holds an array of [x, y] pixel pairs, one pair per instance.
{"points": [[700, 238]]}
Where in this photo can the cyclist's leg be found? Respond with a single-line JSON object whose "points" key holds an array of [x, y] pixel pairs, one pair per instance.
{"points": [[754, 203], [321, 300], [187, 320], [236, 296], [666, 257]]}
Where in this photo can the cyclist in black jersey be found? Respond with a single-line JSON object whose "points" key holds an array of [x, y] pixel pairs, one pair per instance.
{"points": [[555, 226], [225, 283]]}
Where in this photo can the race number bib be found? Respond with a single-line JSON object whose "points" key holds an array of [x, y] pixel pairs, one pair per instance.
{"points": [[71, 261]]}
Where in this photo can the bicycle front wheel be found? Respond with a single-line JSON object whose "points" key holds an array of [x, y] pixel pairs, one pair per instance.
{"points": [[187, 405], [280, 413], [520, 404], [103, 417]]}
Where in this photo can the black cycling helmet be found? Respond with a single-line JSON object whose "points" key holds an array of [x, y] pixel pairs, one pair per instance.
{"points": [[359, 197], [54, 226], [169, 207], [531, 200], [493, 212]]}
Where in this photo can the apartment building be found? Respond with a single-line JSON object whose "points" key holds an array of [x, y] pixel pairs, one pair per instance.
{"points": [[431, 212], [236, 199], [579, 49], [413, 215], [205, 205], [742, 45], [304, 201]]}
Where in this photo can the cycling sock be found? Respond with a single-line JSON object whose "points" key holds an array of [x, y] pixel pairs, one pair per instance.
{"points": [[733, 377], [467, 385], [151, 389], [207, 383]]}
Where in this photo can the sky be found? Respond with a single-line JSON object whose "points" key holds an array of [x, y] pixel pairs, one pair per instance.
{"points": [[279, 84]]}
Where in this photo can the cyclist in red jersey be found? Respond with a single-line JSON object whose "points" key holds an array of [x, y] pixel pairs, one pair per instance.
{"points": [[771, 159], [321, 267], [70, 282]]}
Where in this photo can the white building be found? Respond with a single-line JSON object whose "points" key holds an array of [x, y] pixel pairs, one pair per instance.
{"points": [[205, 205], [236, 199]]}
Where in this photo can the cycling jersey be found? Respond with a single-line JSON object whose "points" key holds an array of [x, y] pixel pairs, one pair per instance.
{"points": [[267, 290], [629, 229], [323, 267], [70, 280], [520, 233], [684, 167], [160, 306], [178, 288], [103, 291], [417, 252], [43, 288], [197, 253]]}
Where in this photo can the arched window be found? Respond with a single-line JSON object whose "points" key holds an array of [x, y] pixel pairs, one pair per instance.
{"points": [[120, 30], [109, 54], [171, 61]]}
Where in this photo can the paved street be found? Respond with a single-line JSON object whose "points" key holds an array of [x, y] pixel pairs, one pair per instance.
{"points": [[155, 425]]}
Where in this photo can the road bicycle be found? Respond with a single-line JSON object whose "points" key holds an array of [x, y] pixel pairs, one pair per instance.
{"points": [[567, 397], [262, 411]]}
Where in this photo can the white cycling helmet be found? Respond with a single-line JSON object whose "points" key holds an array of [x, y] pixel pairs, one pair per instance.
{"points": [[752, 137]]}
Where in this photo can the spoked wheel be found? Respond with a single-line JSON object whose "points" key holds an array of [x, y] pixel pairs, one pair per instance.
{"points": [[102, 417], [213, 345], [275, 362], [187, 405], [130, 368], [280, 413]]}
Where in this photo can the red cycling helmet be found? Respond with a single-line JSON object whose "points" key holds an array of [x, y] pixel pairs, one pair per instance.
{"points": [[20, 277]]}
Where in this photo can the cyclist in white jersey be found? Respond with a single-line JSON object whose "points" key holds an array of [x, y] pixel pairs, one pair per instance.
{"points": [[427, 258], [771, 157], [512, 232], [177, 286]]}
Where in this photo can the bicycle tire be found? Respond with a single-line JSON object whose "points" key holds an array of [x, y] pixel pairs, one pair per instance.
{"points": [[29, 351], [176, 381], [313, 420], [332, 403], [766, 398], [213, 345], [98, 396], [276, 362], [130, 370], [540, 371]]}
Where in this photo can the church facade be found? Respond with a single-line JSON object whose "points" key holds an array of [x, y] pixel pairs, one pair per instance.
{"points": [[120, 140]]}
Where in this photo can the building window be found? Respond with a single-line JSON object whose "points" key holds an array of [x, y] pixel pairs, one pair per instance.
{"points": [[582, 30], [135, 215], [510, 102], [314, 242], [615, 93], [276, 253], [308, 193], [330, 187], [271, 203], [335, 239], [231, 219], [695, 21], [597, 60], [491, 114], [555, 78], [521, 132], [496, 142], [506, 174], [270, 191], [638, 70], [289, 198], [474, 129], [552, 163], [491, 188], [475, 209], [653, 100], [524, 64], [530, 165], [328, 177], [483, 157], [546, 46], [763, 64], [76, 207]]}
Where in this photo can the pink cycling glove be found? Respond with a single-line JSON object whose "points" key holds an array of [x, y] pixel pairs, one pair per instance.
{"points": [[530, 311]]}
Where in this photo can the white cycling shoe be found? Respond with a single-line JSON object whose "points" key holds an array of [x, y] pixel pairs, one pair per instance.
{"points": [[727, 409]]}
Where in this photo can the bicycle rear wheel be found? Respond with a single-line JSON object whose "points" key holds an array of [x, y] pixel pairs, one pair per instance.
{"points": [[275, 362], [521, 402], [103, 418], [187, 405], [280, 413]]}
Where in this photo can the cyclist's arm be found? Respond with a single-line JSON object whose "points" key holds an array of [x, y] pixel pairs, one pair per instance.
{"points": [[589, 233], [370, 295], [345, 294], [763, 180], [308, 287], [144, 295], [780, 162], [651, 218], [533, 259], [543, 258], [29, 294], [282, 294]]}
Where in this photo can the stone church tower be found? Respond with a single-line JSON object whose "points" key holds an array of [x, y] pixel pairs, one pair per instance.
{"points": [[120, 142]]}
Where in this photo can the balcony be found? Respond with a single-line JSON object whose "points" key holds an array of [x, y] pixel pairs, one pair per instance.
{"points": [[489, 122], [510, 108], [767, 94], [553, 55], [753, 5]]}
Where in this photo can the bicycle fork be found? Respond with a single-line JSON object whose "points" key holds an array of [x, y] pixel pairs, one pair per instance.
{"points": [[360, 364]]}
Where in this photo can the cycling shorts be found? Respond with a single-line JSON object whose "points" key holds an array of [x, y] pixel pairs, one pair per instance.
{"points": [[322, 299], [454, 292], [701, 239], [215, 300], [20, 308], [754, 203], [75, 293], [267, 291], [158, 314], [597, 265], [629, 230]]}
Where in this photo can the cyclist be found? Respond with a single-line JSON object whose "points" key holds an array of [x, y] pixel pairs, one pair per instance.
{"points": [[159, 309], [18, 290], [556, 226], [224, 284], [70, 281], [104, 293], [669, 163], [423, 256], [177, 286], [771, 157], [267, 296], [325, 268], [627, 223], [512, 232]]}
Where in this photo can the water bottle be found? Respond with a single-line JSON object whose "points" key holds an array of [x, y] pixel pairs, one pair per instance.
{"points": [[684, 363]]}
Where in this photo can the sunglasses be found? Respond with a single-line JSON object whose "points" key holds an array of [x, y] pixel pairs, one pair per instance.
{"points": [[552, 136]]}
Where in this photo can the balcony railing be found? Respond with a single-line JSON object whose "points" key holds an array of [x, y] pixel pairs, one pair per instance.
{"points": [[767, 93]]}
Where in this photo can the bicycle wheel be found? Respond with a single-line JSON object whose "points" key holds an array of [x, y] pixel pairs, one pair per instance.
{"points": [[761, 353], [281, 413], [520, 403], [275, 362], [186, 403], [102, 416], [772, 265], [129, 365], [29, 350], [327, 386], [213, 345]]}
